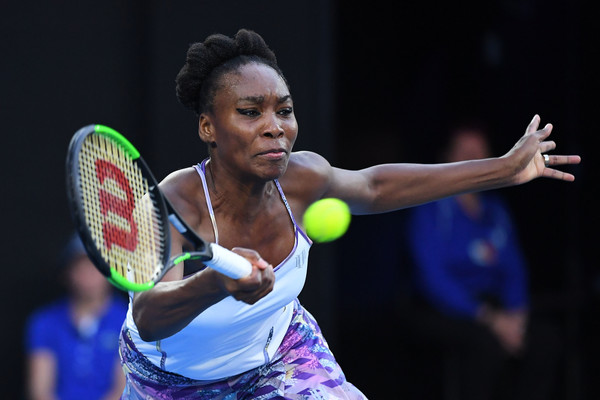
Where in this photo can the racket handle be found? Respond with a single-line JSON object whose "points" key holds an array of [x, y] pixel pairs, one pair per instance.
{"points": [[228, 263]]}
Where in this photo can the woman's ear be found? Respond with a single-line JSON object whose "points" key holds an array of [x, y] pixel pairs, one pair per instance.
{"points": [[205, 130]]}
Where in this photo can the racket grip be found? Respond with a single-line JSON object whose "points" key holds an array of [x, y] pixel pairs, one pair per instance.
{"points": [[228, 263]]}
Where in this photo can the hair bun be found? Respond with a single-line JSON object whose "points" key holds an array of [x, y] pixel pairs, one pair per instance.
{"points": [[217, 49]]}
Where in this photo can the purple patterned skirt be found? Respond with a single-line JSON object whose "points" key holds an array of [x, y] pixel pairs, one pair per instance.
{"points": [[302, 368]]}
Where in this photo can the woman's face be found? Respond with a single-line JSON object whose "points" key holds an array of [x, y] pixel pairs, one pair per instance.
{"points": [[252, 126]]}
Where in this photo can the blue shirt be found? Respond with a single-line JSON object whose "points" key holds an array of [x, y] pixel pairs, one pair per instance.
{"points": [[460, 260], [85, 359]]}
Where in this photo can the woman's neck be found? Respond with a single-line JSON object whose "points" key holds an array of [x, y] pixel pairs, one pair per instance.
{"points": [[248, 195]]}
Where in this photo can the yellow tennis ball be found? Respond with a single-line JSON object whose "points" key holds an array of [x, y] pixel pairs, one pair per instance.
{"points": [[327, 219]]}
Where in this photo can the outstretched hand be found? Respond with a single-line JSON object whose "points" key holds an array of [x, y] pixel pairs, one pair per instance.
{"points": [[528, 155]]}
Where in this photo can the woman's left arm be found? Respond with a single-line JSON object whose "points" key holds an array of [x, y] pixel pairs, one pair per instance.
{"points": [[390, 187]]}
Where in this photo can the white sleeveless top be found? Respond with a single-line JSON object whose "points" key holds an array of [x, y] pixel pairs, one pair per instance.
{"points": [[231, 336]]}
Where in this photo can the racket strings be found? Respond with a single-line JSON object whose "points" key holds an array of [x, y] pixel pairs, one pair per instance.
{"points": [[120, 210]]}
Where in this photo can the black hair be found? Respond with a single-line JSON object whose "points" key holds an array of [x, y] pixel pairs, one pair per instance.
{"points": [[206, 62]]}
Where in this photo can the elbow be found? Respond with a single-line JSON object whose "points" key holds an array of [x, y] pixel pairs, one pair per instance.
{"points": [[147, 335], [146, 321], [151, 332], [145, 329], [155, 324]]}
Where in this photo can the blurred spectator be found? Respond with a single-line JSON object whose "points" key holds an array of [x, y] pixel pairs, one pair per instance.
{"points": [[471, 287], [72, 343]]}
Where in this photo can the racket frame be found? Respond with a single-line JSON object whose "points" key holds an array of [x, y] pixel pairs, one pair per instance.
{"points": [[202, 250]]}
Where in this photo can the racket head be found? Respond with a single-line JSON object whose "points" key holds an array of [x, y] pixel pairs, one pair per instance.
{"points": [[117, 208]]}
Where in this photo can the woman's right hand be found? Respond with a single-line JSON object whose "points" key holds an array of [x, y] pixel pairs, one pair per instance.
{"points": [[174, 302], [253, 287]]}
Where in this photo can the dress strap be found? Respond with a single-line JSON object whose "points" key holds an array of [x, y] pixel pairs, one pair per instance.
{"points": [[287, 206], [201, 169]]}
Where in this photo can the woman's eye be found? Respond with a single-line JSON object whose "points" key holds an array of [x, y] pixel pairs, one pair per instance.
{"points": [[286, 111], [248, 112]]}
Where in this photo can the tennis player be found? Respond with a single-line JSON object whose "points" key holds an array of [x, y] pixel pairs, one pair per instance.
{"points": [[206, 336]]}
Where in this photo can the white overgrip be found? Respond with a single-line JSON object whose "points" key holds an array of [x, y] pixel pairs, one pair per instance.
{"points": [[228, 263]]}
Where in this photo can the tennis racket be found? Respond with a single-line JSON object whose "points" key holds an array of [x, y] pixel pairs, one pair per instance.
{"points": [[123, 218]]}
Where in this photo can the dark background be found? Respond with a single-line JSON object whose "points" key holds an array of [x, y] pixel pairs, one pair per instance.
{"points": [[371, 83]]}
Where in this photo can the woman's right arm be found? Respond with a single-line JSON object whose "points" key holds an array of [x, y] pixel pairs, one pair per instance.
{"points": [[174, 302]]}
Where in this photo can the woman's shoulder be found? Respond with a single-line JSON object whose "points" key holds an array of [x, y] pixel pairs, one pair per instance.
{"points": [[307, 166], [177, 176], [307, 176], [182, 188], [305, 156], [308, 162], [180, 182]]}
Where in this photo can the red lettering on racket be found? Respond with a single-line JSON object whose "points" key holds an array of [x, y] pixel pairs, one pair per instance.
{"points": [[122, 207]]}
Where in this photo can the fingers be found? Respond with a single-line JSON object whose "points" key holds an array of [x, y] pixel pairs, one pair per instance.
{"points": [[258, 287], [559, 175], [533, 125], [252, 256], [547, 130], [254, 287], [547, 145], [252, 297], [544, 132], [533, 128], [554, 160], [562, 160], [258, 284]]}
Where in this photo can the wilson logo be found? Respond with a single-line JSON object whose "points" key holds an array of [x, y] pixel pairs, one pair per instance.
{"points": [[121, 206]]}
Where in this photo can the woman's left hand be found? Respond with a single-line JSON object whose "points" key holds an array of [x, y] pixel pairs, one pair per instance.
{"points": [[529, 158]]}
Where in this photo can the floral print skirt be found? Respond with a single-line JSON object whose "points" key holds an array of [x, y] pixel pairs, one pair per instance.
{"points": [[303, 368]]}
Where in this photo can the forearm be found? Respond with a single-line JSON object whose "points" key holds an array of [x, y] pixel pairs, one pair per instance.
{"points": [[170, 306], [41, 375], [396, 186]]}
